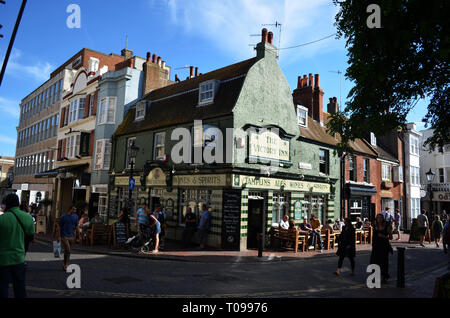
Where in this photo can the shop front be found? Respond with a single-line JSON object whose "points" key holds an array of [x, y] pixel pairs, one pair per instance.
{"points": [[360, 202]]}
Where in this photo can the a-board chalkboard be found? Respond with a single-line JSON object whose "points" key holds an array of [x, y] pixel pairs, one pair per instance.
{"points": [[231, 220], [119, 233]]}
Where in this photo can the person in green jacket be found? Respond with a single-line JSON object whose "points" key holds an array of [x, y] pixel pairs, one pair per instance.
{"points": [[436, 228], [12, 247]]}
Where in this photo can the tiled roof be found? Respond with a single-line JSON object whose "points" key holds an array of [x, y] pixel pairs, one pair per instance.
{"points": [[317, 132], [178, 103]]}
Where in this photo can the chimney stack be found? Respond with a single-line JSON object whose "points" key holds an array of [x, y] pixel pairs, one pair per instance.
{"points": [[270, 37], [264, 35], [310, 95], [333, 106], [156, 73], [126, 53]]}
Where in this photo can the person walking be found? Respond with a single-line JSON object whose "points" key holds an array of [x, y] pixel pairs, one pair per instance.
{"points": [[422, 221], [15, 227], [446, 235], [347, 246], [190, 221], [436, 229], [67, 223], [156, 226], [381, 247], [444, 217], [203, 226], [397, 223], [159, 215]]}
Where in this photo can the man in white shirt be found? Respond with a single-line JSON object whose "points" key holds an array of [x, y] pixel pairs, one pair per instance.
{"points": [[284, 223]]}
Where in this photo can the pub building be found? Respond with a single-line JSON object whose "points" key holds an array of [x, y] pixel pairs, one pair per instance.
{"points": [[263, 169]]}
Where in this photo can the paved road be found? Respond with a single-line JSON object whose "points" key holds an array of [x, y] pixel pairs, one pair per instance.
{"points": [[113, 276]]}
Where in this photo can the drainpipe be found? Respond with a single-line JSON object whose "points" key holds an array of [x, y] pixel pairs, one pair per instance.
{"points": [[343, 185], [404, 212]]}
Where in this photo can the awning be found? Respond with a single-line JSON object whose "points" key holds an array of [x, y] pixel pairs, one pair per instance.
{"points": [[361, 191], [54, 172]]}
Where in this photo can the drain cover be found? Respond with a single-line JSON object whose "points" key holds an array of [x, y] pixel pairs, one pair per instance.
{"points": [[123, 280]]}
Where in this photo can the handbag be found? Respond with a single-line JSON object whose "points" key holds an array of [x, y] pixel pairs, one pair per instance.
{"points": [[28, 238]]}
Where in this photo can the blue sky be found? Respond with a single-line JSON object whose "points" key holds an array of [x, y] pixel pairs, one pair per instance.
{"points": [[208, 34]]}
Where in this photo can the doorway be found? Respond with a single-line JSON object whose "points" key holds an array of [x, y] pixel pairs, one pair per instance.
{"points": [[256, 222]]}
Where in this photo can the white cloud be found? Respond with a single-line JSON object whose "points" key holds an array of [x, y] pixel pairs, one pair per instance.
{"points": [[228, 24], [23, 67], [10, 107]]}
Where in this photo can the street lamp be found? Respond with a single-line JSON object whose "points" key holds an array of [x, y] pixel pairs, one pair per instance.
{"points": [[132, 153], [430, 177]]}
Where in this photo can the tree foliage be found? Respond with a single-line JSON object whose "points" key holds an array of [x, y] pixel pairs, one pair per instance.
{"points": [[394, 66]]}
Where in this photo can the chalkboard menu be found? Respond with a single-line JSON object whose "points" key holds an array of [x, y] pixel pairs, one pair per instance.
{"points": [[231, 220], [112, 205], [119, 233]]}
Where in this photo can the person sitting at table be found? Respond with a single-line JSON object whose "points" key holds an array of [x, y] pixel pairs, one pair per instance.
{"points": [[367, 223], [284, 223], [337, 225], [97, 219], [359, 223], [328, 226], [316, 225]]}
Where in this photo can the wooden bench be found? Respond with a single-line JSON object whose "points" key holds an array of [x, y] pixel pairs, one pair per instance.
{"points": [[367, 235], [98, 232], [293, 236]]}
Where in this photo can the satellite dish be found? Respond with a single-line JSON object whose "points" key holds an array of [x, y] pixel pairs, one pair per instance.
{"points": [[423, 193]]}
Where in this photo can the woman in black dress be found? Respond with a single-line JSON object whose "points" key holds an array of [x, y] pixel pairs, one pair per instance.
{"points": [[346, 246], [381, 247]]}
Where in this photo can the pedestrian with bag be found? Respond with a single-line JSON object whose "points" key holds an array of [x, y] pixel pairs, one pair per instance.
{"points": [[436, 229], [347, 246], [16, 227], [381, 247], [67, 224]]}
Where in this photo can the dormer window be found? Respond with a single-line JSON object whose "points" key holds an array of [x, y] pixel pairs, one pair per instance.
{"points": [[206, 92], [140, 110], [302, 116], [373, 139]]}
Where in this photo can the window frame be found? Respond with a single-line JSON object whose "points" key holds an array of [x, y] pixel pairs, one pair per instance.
{"points": [[304, 110], [212, 90], [140, 107], [162, 145], [366, 170], [105, 111], [325, 161], [352, 176], [383, 171]]}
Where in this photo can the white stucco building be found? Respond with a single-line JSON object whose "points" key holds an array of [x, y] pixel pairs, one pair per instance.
{"points": [[439, 163]]}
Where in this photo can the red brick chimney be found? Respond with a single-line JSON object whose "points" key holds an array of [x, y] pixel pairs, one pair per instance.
{"points": [[310, 95], [270, 37], [317, 100], [264, 35], [156, 73]]}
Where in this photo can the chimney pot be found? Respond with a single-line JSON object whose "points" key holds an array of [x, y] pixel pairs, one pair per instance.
{"points": [[177, 79], [264, 35], [149, 56], [154, 58], [163, 65], [270, 37], [299, 82], [159, 60], [196, 71], [316, 80], [310, 82], [305, 81], [191, 71]]}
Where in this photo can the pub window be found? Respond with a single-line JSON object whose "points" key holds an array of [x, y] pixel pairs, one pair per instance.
{"points": [[302, 116], [385, 172], [352, 168], [130, 141], [441, 175], [194, 199], [280, 207], [323, 161], [315, 204], [159, 146], [366, 170]]}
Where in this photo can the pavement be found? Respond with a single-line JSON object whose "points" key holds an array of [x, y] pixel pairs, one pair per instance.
{"points": [[174, 251]]}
